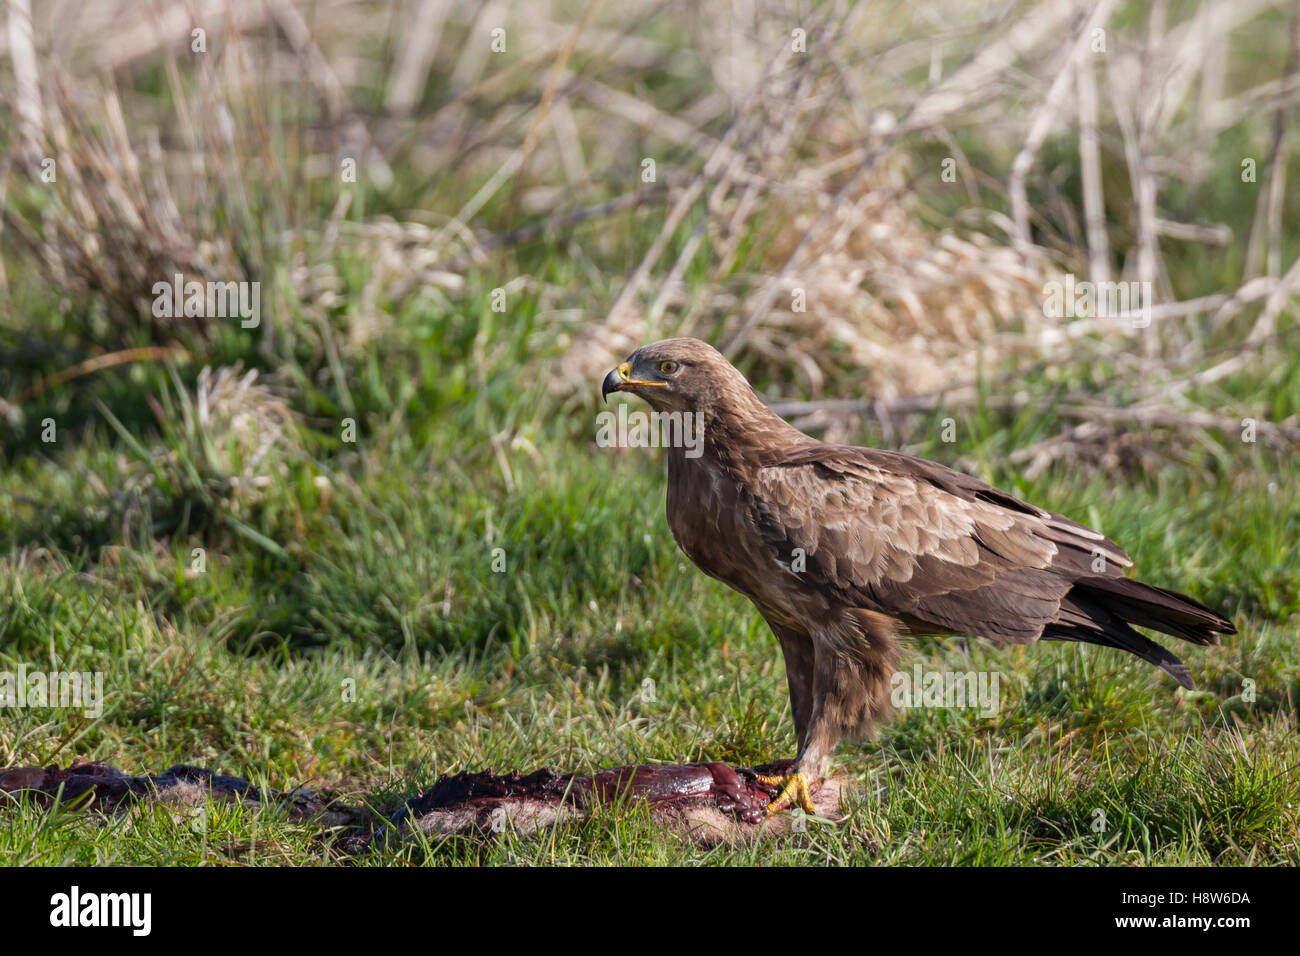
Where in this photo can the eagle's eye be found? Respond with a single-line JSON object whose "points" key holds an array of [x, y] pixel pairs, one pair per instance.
{"points": [[669, 367]]}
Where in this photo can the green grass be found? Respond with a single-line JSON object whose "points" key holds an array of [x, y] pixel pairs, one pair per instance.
{"points": [[241, 668]]}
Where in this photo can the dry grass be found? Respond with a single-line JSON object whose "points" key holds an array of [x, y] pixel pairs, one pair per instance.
{"points": [[796, 197]]}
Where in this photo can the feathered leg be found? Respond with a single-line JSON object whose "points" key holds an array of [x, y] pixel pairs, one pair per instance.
{"points": [[800, 666], [853, 663]]}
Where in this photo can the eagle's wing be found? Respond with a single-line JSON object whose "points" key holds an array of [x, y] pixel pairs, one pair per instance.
{"points": [[943, 551]]}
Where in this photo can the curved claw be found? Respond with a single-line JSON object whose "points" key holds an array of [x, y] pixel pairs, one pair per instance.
{"points": [[793, 789]]}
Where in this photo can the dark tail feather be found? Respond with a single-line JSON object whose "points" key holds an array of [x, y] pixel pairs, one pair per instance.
{"points": [[1148, 606], [1099, 610], [1121, 636]]}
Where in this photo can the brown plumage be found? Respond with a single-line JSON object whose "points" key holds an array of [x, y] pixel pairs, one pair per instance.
{"points": [[847, 550]]}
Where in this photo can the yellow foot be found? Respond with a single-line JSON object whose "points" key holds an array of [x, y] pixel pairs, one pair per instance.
{"points": [[794, 789]]}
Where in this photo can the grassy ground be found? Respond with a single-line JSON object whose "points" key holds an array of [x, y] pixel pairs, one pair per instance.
{"points": [[498, 591], [388, 582]]}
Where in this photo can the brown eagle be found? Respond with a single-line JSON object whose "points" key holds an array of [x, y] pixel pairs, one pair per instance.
{"points": [[845, 551]]}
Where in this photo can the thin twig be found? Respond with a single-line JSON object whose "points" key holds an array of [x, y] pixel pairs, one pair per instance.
{"points": [[98, 363]]}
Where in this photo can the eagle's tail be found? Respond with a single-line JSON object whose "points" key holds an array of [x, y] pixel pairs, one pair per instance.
{"points": [[1099, 610]]}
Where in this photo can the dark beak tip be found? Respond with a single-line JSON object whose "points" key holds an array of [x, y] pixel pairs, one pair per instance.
{"points": [[612, 383]]}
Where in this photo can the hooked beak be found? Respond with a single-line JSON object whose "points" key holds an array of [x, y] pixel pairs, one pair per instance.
{"points": [[620, 379]]}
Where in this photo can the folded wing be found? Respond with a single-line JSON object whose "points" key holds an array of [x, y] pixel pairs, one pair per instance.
{"points": [[945, 552]]}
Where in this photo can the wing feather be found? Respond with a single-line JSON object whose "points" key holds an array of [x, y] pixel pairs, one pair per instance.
{"points": [[908, 537]]}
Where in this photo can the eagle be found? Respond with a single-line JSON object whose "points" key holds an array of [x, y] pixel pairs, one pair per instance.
{"points": [[847, 551]]}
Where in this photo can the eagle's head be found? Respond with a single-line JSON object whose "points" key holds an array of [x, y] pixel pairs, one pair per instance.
{"points": [[685, 375]]}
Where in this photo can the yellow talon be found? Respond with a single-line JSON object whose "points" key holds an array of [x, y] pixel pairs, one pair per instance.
{"points": [[794, 789]]}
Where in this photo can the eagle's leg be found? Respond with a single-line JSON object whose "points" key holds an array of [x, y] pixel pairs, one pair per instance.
{"points": [[816, 744], [851, 666], [817, 739], [795, 790]]}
